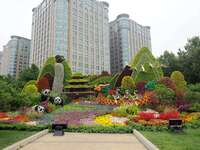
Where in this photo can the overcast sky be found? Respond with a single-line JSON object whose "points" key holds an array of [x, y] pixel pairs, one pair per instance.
{"points": [[172, 21]]}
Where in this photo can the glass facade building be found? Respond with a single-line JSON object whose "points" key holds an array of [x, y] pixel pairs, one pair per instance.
{"points": [[126, 38], [76, 29], [16, 56]]}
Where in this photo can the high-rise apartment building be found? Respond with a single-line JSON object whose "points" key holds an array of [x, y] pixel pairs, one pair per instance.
{"points": [[16, 56], [76, 29], [1, 56], [126, 38]]}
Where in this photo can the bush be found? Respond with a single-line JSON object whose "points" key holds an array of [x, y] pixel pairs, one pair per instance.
{"points": [[23, 127], [194, 87], [165, 95], [102, 80], [168, 83], [30, 89], [192, 97], [195, 107], [179, 80], [126, 110], [151, 85], [140, 87], [128, 83]]}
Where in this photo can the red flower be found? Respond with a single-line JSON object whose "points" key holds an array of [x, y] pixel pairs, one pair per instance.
{"points": [[3, 115], [147, 115], [112, 92], [169, 115]]}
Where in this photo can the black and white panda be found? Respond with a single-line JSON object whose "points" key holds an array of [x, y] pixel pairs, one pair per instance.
{"points": [[45, 95], [58, 101], [46, 92], [38, 108]]}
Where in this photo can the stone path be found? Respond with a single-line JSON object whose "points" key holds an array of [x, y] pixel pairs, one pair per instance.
{"points": [[80, 141]]}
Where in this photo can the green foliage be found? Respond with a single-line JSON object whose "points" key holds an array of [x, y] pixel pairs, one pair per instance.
{"points": [[23, 127], [77, 74], [113, 80], [31, 82], [30, 89], [71, 107], [189, 60], [48, 68], [151, 85], [77, 81], [169, 63], [77, 86], [145, 66], [192, 97], [194, 87], [11, 98], [179, 80], [29, 74], [195, 107], [102, 80], [128, 83], [126, 110], [165, 95]]}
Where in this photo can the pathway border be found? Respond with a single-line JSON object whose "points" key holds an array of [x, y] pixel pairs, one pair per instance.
{"points": [[26, 141], [144, 141]]}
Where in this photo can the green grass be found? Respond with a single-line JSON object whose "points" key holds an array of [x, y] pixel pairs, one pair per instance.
{"points": [[77, 107], [9, 137], [188, 140]]}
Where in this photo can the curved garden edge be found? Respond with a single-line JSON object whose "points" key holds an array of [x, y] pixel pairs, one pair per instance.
{"points": [[96, 129], [149, 145]]}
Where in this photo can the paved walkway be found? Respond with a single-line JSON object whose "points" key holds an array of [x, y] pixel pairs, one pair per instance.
{"points": [[79, 141]]}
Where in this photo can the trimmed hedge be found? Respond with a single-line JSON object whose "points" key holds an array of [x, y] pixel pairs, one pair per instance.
{"points": [[23, 127], [102, 80], [98, 129]]}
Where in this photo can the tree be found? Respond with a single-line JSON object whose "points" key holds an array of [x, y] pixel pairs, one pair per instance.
{"points": [[190, 60], [179, 80], [29, 74], [169, 63]]}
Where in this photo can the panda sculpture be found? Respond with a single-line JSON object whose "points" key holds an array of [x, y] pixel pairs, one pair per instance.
{"points": [[38, 108], [45, 95], [58, 101]]}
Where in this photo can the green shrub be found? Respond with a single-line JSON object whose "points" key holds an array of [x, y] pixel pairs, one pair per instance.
{"points": [[195, 107], [128, 83], [192, 97], [23, 127], [179, 80], [165, 95], [194, 87], [126, 110], [78, 107], [151, 85], [34, 115], [30, 89], [102, 80]]}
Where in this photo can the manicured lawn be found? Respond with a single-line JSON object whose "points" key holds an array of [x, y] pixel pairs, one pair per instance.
{"points": [[189, 140], [8, 137]]}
